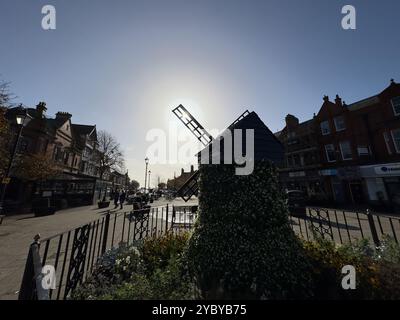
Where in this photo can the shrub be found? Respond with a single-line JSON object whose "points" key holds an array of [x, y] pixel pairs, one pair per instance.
{"points": [[243, 246], [154, 270], [377, 269], [157, 252]]}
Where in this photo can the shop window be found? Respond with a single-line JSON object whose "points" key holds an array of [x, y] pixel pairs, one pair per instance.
{"points": [[345, 149], [325, 128], [339, 123], [396, 139], [330, 152], [396, 106]]}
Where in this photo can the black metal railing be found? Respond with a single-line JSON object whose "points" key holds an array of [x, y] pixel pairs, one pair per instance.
{"points": [[343, 226], [73, 254]]}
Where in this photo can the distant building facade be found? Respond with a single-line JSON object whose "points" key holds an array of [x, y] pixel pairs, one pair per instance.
{"points": [[71, 148], [177, 182]]}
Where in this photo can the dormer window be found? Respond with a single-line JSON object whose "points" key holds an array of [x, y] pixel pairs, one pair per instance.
{"points": [[325, 128], [396, 106]]}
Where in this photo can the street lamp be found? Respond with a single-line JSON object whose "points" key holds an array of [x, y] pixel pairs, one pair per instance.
{"points": [[146, 160], [22, 119], [149, 179]]}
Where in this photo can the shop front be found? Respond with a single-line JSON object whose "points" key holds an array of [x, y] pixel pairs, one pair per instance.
{"points": [[344, 185], [307, 181], [383, 184]]}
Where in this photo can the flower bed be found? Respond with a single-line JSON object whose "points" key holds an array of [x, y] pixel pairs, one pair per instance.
{"points": [[157, 269]]}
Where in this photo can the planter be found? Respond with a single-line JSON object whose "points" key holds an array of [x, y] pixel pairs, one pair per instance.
{"points": [[103, 204], [44, 211]]}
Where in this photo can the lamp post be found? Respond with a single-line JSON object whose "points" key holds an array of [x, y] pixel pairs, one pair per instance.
{"points": [[22, 118], [146, 160], [149, 179]]}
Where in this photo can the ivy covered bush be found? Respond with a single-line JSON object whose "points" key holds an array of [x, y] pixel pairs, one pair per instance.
{"points": [[243, 245]]}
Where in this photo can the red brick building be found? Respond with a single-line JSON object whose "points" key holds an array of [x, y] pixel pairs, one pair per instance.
{"points": [[347, 153], [360, 148]]}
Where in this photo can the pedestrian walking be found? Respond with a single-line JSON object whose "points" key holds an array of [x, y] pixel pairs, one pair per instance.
{"points": [[116, 198], [122, 197]]}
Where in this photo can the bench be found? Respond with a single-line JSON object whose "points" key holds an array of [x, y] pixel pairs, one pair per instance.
{"points": [[1, 218]]}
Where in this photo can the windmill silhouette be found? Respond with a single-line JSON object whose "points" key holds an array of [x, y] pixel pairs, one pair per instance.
{"points": [[190, 188]]}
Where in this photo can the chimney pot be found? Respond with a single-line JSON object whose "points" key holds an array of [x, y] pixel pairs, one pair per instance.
{"points": [[338, 100], [326, 98]]}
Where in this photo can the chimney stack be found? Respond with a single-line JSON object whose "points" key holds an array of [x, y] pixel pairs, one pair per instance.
{"points": [[63, 115], [291, 121], [338, 100], [326, 98], [41, 109]]}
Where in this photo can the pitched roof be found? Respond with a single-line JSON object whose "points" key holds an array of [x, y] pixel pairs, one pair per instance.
{"points": [[83, 129], [266, 144]]}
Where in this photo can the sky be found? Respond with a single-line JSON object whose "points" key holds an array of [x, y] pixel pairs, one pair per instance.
{"points": [[124, 65]]}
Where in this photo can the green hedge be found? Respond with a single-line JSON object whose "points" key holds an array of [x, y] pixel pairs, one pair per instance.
{"points": [[243, 245]]}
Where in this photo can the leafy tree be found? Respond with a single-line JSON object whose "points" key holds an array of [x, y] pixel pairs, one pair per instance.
{"points": [[162, 185], [5, 137], [243, 245], [110, 155], [36, 167], [134, 185]]}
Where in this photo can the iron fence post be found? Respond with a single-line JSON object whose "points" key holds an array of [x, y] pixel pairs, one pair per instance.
{"points": [[31, 288], [166, 220], [373, 228], [105, 234]]}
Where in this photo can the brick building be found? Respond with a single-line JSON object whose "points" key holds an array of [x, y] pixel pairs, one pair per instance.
{"points": [[72, 150], [300, 170], [177, 182], [359, 149]]}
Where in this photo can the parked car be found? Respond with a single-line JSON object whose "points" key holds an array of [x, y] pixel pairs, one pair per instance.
{"points": [[297, 203]]}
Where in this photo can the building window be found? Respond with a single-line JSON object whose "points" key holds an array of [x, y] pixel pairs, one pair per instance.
{"points": [[396, 106], [396, 139], [345, 149], [339, 123], [66, 158], [325, 129], [387, 142], [363, 151], [330, 153]]}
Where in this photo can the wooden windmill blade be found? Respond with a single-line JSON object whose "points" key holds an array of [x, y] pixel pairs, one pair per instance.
{"points": [[190, 187], [193, 125]]}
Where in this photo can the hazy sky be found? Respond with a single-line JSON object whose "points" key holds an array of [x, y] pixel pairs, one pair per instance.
{"points": [[123, 65]]}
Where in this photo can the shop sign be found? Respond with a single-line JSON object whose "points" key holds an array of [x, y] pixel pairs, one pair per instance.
{"points": [[328, 172], [393, 169], [297, 174]]}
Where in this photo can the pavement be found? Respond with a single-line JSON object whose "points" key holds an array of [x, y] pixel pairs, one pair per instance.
{"points": [[17, 232]]}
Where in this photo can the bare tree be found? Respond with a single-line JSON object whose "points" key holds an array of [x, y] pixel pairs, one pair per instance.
{"points": [[5, 95], [110, 155]]}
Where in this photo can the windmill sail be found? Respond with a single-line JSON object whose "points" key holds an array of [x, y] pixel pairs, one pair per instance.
{"points": [[190, 187], [193, 125]]}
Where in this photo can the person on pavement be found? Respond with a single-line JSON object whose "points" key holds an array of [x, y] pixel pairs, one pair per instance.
{"points": [[122, 197], [116, 198]]}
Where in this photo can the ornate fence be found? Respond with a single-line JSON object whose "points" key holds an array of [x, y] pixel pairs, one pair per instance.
{"points": [[345, 226], [72, 255]]}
